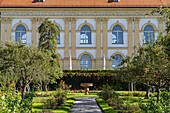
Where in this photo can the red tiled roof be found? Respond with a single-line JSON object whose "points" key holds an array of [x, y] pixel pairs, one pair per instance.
{"points": [[83, 3]]}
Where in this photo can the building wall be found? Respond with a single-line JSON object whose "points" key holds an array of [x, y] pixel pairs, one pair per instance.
{"points": [[101, 27]]}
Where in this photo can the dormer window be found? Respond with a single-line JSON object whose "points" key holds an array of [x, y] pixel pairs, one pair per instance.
{"points": [[116, 0], [110, 1], [41, 0]]}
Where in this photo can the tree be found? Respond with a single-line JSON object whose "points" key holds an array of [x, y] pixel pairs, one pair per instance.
{"points": [[27, 63], [48, 35], [150, 64]]}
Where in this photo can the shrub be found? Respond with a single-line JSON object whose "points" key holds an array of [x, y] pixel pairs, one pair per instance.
{"points": [[107, 93], [156, 107], [133, 108], [58, 99], [11, 101]]}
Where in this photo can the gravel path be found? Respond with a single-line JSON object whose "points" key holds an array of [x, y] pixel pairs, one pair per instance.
{"points": [[85, 105]]}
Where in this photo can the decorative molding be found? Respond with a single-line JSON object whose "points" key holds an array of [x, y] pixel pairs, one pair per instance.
{"points": [[151, 24], [117, 54], [85, 54], [85, 23], [117, 23], [20, 23]]}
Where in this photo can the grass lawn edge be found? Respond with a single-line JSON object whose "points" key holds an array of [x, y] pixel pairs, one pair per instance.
{"points": [[62, 109], [104, 106]]}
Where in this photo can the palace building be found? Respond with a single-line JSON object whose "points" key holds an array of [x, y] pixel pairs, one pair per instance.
{"points": [[91, 31]]}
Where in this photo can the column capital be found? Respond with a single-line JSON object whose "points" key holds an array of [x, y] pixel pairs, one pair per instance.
{"points": [[136, 19], [34, 19], [73, 19], [40, 19], [67, 19], [130, 19], [98, 19], [9, 20], [105, 19], [161, 19], [3, 19]]}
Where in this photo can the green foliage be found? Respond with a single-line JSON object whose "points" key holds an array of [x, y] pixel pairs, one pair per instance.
{"points": [[57, 99], [95, 72], [157, 107], [48, 43], [48, 35], [111, 97], [27, 64], [108, 92], [149, 64], [11, 101]]}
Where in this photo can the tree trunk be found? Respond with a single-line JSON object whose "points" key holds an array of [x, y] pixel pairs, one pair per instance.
{"points": [[147, 91], [129, 86], [158, 95], [46, 88], [23, 90]]}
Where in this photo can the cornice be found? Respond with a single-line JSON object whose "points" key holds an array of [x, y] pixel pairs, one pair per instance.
{"points": [[74, 11]]}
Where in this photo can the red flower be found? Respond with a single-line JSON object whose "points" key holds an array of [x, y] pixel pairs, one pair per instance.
{"points": [[61, 80]]}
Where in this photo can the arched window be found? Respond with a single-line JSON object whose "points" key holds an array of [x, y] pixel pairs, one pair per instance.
{"points": [[117, 35], [58, 38], [85, 35], [116, 60], [20, 34], [149, 33], [85, 62]]}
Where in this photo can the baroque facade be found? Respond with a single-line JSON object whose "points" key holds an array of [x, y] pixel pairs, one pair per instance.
{"points": [[87, 35]]}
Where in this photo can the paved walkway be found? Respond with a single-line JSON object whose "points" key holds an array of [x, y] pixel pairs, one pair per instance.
{"points": [[85, 105]]}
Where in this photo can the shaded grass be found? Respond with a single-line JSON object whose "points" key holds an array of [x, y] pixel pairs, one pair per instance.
{"points": [[74, 95], [38, 107], [105, 107], [109, 109]]}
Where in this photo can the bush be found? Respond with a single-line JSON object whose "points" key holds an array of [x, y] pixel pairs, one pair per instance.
{"points": [[107, 93], [11, 101], [111, 97], [58, 99], [157, 107]]}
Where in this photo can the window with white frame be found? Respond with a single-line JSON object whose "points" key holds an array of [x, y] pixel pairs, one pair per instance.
{"points": [[116, 60], [149, 33], [85, 35], [20, 34], [117, 35], [85, 62]]}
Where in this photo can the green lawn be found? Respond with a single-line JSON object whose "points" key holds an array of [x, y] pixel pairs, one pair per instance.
{"points": [[109, 109], [38, 102], [38, 106], [74, 95]]}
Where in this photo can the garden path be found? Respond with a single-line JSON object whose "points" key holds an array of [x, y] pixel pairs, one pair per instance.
{"points": [[85, 105]]}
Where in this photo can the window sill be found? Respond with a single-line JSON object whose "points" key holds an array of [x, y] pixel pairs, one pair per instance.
{"points": [[117, 43], [85, 43]]}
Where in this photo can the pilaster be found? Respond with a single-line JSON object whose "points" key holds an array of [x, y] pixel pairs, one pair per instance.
{"points": [[130, 36], [9, 22], [66, 43], [136, 32], [73, 42], [160, 25], [40, 21], [105, 43], [3, 31], [34, 31], [98, 44]]}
